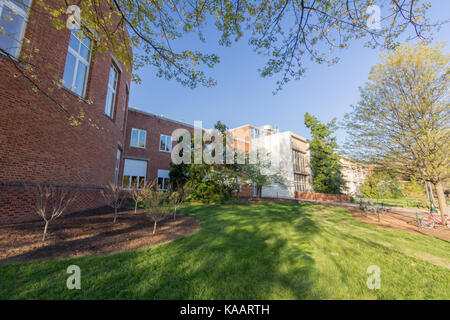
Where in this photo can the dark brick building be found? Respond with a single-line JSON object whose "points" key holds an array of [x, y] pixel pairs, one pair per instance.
{"points": [[79, 146]]}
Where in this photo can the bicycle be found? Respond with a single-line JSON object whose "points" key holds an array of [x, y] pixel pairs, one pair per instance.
{"points": [[430, 221]]}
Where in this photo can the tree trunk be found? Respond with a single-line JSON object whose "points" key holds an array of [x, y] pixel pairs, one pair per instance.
{"points": [[45, 230], [115, 215], [174, 213], [427, 191], [154, 228], [441, 199], [135, 206]]}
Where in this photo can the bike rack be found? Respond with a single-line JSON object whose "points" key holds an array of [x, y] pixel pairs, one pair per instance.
{"points": [[418, 221]]}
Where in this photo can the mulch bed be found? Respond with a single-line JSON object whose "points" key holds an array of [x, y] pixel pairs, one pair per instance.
{"points": [[89, 233], [400, 221]]}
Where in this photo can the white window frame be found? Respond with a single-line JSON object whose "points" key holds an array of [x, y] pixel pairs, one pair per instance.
{"points": [[140, 132], [162, 174], [117, 167], [129, 187], [114, 91], [255, 133], [126, 173], [78, 59], [165, 142], [24, 14]]}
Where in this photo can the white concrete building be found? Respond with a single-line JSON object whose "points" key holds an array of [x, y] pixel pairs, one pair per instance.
{"points": [[354, 174], [288, 156]]}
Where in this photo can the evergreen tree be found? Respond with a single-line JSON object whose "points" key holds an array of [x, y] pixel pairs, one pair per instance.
{"points": [[325, 166]]}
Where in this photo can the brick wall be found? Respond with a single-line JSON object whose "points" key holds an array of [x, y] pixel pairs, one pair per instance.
{"points": [[244, 135], [322, 196], [246, 191], [155, 126], [37, 142]]}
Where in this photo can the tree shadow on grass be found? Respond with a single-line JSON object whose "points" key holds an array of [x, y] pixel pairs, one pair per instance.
{"points": [[234, 256], [259, 252]]}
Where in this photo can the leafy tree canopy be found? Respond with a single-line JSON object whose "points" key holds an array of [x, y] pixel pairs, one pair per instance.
{"points": [[286, 32], [219, 182], [402, 121]]}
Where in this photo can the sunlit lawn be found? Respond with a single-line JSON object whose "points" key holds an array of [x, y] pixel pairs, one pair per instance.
{"points": [[265, 251]]}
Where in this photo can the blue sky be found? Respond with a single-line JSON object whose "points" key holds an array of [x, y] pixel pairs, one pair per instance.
{"points": [[241, 96]]}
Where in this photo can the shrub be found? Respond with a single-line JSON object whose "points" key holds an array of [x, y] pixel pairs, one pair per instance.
{"points": [[209, 192], [381, 185]]}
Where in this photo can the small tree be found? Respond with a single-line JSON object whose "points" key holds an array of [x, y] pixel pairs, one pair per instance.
{"points": [[137, 195], [262, 173], [178, 197], [158, 205], [114, 197], [52, 202]]}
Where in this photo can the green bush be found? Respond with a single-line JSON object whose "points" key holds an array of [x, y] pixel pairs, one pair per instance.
{"points": [[209, 192], [381, 185]]}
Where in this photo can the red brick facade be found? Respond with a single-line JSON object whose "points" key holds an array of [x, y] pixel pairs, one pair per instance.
{"points": [[154, 126], [39, 144], [322, 196]]}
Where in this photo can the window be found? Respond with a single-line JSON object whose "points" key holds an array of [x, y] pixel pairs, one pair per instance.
{"points": [[165, 143], [300, 182], [124, 108], [299, 161], [134, 173], [255, 133], [78, 59], [138, 138], [163, 179], [13, 20], [116, 170], [112, 92]]}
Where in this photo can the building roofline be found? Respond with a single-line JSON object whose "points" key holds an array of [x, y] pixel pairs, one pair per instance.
{"points": [[298, 136], [243, 126], [159, 117]]}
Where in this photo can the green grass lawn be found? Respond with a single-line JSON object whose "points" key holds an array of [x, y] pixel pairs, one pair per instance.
{"points": [[266, 251]]}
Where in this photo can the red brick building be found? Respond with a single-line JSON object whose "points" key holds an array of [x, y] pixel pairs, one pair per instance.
{"points": [[148, 148], [79, 146]]}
